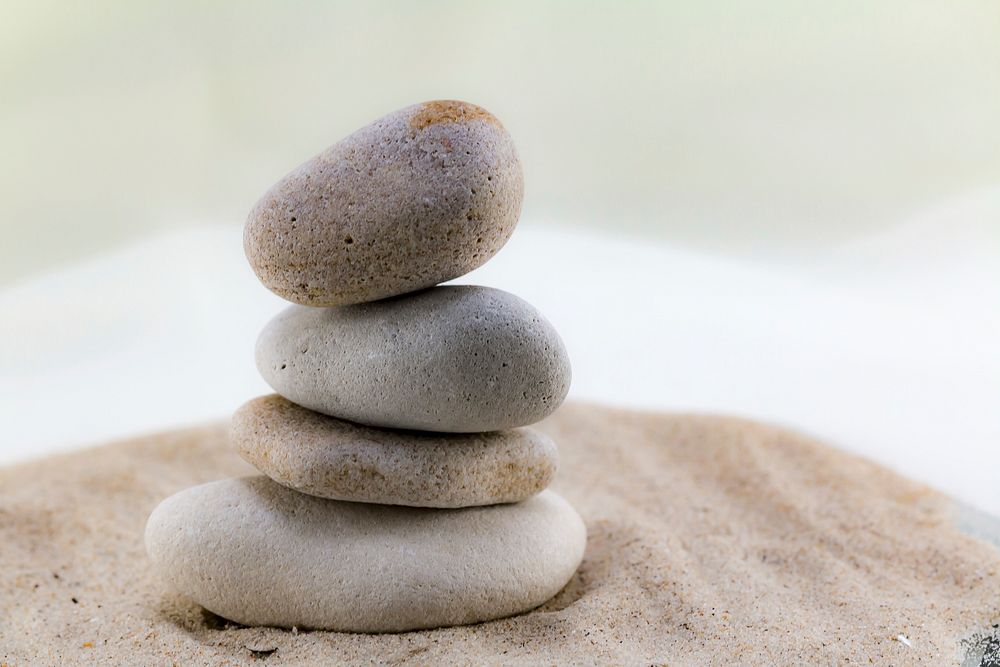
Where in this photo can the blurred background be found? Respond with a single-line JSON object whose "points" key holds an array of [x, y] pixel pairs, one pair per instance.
{"points": [[786, 210], [766, 127]]}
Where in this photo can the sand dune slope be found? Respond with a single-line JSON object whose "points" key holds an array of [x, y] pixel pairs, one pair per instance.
{"points": [[711, 541]]}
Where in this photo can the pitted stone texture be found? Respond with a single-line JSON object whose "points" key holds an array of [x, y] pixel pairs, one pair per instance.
{"points": [[419, 197], [257, 553], [456, 359], [332, 458]]}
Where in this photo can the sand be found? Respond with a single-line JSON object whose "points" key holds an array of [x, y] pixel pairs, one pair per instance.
{"points": [[712, 541]]}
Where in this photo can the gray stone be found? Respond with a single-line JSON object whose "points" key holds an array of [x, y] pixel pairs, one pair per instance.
{"points": [[332, 458], [421, 196], [454, 358], [257, 553]]}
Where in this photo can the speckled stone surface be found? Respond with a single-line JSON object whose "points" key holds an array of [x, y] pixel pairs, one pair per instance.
{"points": [[455, 358], [332, 458], [258, 553], [421, 196]]}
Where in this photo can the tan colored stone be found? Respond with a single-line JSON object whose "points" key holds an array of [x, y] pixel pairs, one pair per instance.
{"points": [[421, 196], [332, 458]]}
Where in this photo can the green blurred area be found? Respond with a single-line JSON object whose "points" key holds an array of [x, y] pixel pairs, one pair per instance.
{"points": [[747, 127]]}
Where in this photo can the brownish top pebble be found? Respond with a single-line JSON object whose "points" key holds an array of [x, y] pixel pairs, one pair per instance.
{"points": [[421, 196]]}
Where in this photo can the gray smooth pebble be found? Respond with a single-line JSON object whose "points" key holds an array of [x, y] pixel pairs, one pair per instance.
{"points": [[419, 197], [457, 359], [257, 553]]}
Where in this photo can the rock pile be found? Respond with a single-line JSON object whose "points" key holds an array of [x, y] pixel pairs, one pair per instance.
{"points": [[401, 489]]}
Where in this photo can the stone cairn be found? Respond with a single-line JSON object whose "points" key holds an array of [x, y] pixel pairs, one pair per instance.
{"points": [[400, 489]]}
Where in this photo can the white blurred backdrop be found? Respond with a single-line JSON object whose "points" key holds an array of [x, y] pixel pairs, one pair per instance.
{"points": [[786, 210], [769, 128]]}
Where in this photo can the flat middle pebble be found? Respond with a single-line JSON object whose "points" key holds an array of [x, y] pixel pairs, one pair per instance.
{"points": [[328, 457]]}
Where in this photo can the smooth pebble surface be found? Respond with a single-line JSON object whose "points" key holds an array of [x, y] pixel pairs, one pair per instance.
{"points": [[455, 359], [421, 196], [329, 457], [257, 553]]}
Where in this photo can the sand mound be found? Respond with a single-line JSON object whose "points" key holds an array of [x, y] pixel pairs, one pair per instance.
{"points": [[712, 541]]}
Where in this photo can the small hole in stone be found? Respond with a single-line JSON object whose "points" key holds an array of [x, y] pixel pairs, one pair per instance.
{"points": [[348, 240]]}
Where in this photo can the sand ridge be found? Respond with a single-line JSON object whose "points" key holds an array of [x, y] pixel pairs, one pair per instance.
{"points": [[712, 540]]}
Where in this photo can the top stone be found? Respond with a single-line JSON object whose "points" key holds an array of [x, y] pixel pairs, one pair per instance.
{"points": [[421, 196]]}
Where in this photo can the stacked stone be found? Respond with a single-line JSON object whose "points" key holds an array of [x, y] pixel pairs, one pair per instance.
{"points": [[400, 487]]}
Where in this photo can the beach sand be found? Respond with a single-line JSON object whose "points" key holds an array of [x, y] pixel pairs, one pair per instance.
{"points": [[712, 540]]}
